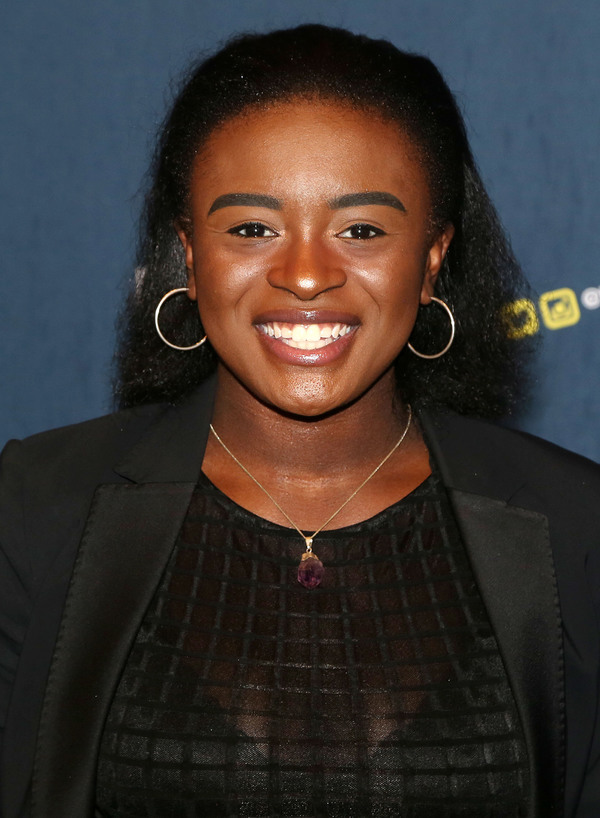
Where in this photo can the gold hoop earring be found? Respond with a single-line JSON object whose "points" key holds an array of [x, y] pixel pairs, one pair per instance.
{"points": [[452, 332], [157, 313]]}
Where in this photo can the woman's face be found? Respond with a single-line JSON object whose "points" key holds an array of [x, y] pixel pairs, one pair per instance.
{"points": [[309, 251]]}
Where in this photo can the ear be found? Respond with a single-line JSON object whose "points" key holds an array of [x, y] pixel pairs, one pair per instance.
{"points": [[185, 239], [435, 258]]}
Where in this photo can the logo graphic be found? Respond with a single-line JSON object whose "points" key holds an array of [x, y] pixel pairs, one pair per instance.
{"points": [[590, 298], [559, 308], [521, 318]]}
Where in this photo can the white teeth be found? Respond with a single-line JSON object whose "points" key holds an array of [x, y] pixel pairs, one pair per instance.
{"points": [[313, 332], [305, 336], [298, 333]]}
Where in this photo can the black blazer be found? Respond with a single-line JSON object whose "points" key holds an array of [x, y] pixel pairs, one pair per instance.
{"points": [[99, 505]]}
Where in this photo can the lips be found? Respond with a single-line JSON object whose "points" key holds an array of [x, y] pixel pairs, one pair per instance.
{"points": [[307, 336]]}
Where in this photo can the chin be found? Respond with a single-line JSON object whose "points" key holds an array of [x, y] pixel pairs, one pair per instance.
{"points": [[310, 403]]}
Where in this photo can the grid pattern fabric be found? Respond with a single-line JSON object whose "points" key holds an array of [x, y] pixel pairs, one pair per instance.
{"points": [[379, 693]]}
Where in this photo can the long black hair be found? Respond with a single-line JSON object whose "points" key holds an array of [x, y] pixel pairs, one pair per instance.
{"points": [[483, 371]]}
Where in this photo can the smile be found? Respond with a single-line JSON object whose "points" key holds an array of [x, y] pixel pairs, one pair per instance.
{"points": [[306, 336]]}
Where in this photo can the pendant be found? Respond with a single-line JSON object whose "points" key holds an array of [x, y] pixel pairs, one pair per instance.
{"points": [[310, 570]]}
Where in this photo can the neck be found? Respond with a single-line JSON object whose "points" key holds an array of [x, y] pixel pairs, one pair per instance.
{"points": [[340, 442], [311, 466]]}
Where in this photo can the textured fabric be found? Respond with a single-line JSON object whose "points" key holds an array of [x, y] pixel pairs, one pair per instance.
{"points": [[381, 691]]}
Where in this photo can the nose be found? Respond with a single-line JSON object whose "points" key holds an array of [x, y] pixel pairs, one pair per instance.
{"points": [[306, 270]]}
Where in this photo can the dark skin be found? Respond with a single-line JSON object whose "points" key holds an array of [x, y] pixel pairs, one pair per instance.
{"points": [[311, 214]]}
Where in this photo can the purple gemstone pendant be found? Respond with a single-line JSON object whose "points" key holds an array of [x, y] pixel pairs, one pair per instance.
{"points": [[310, 570]]}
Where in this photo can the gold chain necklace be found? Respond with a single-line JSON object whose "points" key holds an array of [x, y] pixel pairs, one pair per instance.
{"points": [[310, 570]]}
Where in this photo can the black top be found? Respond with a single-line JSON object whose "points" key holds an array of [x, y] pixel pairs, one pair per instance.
{"points": [[379, 693]]}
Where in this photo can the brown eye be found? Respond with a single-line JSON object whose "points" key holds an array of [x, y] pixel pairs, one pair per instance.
{"points": [[361, 231], [252, 230]]}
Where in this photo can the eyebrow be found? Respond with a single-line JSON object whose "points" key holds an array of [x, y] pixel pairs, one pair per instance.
{"points": [[371, 197], [245, 200]]}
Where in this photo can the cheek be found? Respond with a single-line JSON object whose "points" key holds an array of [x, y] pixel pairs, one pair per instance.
{"points": [[396, 288], [220, 282], [226, 256]]}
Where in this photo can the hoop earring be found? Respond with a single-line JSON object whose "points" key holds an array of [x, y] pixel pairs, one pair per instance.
{"points": [[452, 331], [157, 313]]}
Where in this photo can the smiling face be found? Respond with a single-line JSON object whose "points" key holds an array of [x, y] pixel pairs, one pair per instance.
{"points": [[309, 251]]}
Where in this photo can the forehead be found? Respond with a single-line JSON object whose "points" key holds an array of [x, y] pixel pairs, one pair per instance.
{"points": [[308, 145]]}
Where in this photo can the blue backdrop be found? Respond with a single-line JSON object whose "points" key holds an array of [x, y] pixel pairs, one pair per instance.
{"points": [[84, 87]]}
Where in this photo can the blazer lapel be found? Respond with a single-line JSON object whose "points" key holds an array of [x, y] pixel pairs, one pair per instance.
{"points": [[511, 559], [130, 533], [128, 539], [510, 553]]}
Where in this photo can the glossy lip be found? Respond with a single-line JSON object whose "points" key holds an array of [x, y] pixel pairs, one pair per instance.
{"points": [[307, 357]]}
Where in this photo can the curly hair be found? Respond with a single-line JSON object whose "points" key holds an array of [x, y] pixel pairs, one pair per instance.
{"points": [[483, 372]]}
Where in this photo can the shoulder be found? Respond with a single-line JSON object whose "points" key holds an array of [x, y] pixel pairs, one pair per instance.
{"points": [[517, 441], [81, 446], [502, 462], [47, 482]]}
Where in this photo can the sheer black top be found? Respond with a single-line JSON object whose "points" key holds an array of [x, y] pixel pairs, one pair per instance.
{"points": [[379, 693]]}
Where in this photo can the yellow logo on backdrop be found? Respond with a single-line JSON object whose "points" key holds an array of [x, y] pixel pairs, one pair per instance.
{"points": [[521, 318], [559, 308]]}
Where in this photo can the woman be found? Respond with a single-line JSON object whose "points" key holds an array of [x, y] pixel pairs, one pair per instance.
{"points": [[295, 583]]}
